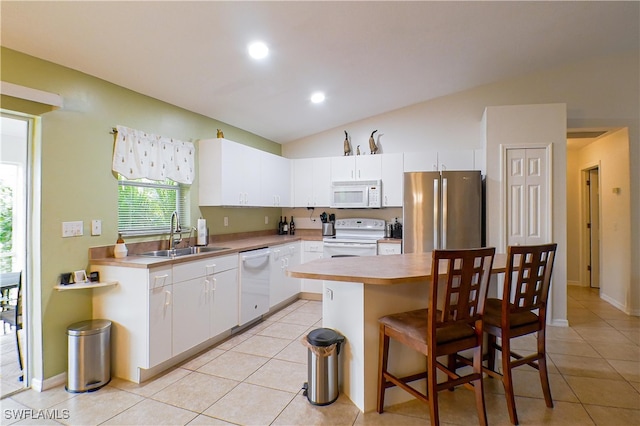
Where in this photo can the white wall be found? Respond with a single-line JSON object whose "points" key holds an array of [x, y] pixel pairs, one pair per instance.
{"points": [[611, 153], [602, 92], [536, 126]]}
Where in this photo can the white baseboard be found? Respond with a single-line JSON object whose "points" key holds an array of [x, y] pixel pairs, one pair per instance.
{"points": [[50, 383], [615, 303], [559, 323]]}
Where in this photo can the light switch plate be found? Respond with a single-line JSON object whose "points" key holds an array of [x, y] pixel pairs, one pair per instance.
{"points": [[72, 229], [96, 227]]}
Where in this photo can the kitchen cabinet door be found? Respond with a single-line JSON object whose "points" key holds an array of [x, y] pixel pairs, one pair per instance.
{"points": [[356, 167], [282, 287], [389, 248], [275, 178], [461, 159], [229, 173], [422, 161], [311, 182], [160, 325], [191, 306], [225, 307], [312, 250], [392, 180]]}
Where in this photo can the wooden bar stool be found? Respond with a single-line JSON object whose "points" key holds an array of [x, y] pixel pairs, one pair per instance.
{"points": [[522, 310], [432, 332]]}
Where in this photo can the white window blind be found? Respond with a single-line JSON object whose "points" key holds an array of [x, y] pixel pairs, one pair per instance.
{"points": [[145, 206]]}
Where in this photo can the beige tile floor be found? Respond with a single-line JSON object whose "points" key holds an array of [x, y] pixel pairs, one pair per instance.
{"points": [[255, 378]]}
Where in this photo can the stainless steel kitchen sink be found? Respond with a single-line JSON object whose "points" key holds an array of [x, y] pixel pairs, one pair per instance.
{"points": [[182, 251]]}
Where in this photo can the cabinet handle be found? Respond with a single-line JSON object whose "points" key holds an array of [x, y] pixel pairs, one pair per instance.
{"points": [[167, 298], [211, 267], [286, 262], [206, 286], [282, 263], [215, 282]]}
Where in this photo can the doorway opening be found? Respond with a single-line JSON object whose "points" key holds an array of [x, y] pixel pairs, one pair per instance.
{"points": [[14, 183], [591, 190]]}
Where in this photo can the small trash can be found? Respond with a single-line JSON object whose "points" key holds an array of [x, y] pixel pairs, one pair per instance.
{"points": [[322, 365], [89, 357]]}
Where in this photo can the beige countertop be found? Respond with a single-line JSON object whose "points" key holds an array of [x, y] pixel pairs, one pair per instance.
{"points": [[230, 247], [380, 270]]}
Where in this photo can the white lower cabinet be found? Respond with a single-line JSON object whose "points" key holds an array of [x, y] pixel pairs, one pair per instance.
{"points": [[282, 287], [160, 317], [389, 248], [311, 250], [224, 314], [181, 307]]}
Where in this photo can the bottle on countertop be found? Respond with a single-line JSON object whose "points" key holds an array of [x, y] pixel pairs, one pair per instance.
{"points": [[292, 227], [120, 249], [285, 227], [280, 226]]}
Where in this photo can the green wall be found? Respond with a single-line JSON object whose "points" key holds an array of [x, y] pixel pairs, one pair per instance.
{"points": [[77, 183]]}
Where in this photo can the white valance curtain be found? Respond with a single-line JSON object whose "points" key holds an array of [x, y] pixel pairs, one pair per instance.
{"points": [[142, 155]]}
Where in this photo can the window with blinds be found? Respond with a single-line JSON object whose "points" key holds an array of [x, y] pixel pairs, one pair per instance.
{"points": [[145, 206]]}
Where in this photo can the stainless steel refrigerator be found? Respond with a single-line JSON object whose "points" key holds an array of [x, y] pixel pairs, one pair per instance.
{"points": [[442, 210]]}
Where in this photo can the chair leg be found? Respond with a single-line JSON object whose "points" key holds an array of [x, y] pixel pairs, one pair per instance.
{"points": [[542, 369], [491, 352], [507, 380], [432, 392], [451, 365], [478, 387], [383, 357]]}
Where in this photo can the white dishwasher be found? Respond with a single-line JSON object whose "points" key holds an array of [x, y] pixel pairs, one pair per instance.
{"points": [[255, 273]]}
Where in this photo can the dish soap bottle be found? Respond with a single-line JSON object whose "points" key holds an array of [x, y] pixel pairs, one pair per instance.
{"points": [[120, 250]]}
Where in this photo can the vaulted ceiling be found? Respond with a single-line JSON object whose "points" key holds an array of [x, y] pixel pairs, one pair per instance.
{"points": [[368, 57]]}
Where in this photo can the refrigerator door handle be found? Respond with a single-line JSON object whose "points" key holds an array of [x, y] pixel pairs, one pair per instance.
{"points": [[436, 213], [445, 214]]}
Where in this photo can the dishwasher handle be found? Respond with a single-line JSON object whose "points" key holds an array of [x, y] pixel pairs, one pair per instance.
{"points": [[256, 256]]}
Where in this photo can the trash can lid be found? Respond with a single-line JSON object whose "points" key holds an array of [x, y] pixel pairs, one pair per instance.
{"points": [[324, 337], [85, 328]]}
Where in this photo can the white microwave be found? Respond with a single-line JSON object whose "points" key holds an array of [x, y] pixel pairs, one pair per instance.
{"points": [[363, 194]]}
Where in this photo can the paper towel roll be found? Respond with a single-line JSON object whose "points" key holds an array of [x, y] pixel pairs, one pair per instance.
{"points": [[201, 239]]}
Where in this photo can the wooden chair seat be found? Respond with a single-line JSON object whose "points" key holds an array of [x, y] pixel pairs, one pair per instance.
{"points": [[413, 325], [493, 315]]}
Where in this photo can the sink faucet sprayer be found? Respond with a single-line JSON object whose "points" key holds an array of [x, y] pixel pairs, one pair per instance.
{"points": [[175, 229]]}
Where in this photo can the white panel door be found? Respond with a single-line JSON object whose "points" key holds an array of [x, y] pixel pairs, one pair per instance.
{"points": [[527, 196]]}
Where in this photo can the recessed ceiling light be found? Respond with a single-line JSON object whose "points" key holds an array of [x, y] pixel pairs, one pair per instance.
{"points": [[317, 97], [258, 50]]}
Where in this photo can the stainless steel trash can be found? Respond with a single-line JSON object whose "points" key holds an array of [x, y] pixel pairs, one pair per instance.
{"points": [[323, 346], [89, 357]]}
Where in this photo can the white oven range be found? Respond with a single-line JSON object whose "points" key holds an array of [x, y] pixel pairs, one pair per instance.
{"points": [[354, 237]]}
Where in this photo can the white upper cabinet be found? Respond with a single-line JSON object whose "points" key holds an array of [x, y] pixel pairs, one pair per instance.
{"points": [[275, 172], [232, 174], [461, 159], [392, 179], [356, 167], [428, 161], [311, 182]]}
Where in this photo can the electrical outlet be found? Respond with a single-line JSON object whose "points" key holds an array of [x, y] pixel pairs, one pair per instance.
{"points": [[72, 229], [266, 220], [96, 227], [226, 221]]}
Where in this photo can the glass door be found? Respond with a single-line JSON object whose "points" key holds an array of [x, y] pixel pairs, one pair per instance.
{"points": [[13, 231]]}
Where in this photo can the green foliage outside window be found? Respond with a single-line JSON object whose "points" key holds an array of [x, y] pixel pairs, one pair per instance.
{"points": [[6, 227]]}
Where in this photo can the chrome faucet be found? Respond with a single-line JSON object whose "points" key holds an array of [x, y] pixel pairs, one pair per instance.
{"points": [[175, 228]]}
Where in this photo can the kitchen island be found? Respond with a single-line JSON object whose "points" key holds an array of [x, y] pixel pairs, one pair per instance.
{"points": [[356, 292]]}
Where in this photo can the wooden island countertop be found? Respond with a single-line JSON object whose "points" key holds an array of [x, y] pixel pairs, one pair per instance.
{"points": [[377, 270]]}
